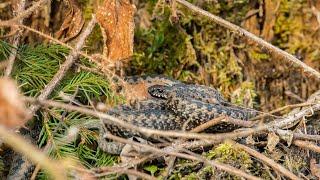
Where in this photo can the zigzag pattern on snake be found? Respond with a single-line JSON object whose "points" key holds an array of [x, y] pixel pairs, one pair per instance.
{"points": [[172, 104]]}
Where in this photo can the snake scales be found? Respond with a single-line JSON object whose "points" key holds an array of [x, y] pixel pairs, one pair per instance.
{"points": [[174, 105]]}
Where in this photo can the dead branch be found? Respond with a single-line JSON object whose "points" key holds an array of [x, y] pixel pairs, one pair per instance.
{"points": [[221, 166], [100, 172], [115, 121], [246, 34], [307, 145], [283, 108], [309, 137], [209, 138], [266, 160], [208, 124], [71, 58]]}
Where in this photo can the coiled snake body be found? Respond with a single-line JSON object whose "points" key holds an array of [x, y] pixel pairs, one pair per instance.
{"points": [[176, 106]]}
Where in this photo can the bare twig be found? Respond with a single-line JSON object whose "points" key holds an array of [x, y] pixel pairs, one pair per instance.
{"points": [[66, 65], [239, 122], [244, 33], [20, 145], [208, 124], [16, 38], [115, 121], [306, 136], [209, 138], [118, 170], [307, 145], [283, 108], [221, 119], [266, 160], [294, 96], [170, 165], [277, 124], [221, 166]]}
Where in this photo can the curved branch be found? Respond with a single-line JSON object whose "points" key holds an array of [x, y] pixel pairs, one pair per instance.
{"points": [[244, 33]]}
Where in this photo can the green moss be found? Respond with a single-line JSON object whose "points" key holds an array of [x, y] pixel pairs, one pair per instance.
{"points": [[228, 154], [258, 56], [194, 49], [244, 95], [289, 23], [88, 8]]}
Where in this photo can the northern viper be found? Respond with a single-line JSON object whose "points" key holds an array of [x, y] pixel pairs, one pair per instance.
{"points": [[174, 105]]}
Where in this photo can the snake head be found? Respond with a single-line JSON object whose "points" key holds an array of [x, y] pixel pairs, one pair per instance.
{"points": [[159, 91]]}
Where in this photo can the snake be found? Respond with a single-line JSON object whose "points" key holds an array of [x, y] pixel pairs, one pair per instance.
{"points": [[174, 106]]}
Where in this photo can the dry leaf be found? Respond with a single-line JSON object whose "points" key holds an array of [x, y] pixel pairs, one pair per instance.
{"points": [[13, 112], [273, 140], [250, 140], [72, 24], [286, 135], [136, 92], [116, 19]]}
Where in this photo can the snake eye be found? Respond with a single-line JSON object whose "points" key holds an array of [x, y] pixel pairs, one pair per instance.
{"points": [[158, 91]]}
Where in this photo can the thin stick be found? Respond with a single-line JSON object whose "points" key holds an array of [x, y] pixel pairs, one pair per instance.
{"points": [[306, 136], [244, 33], [221, 166], [66, 65], [19, 144], [208, 124], [118, 170], [115, 121], [283, 108], [16, 39], [307, 145], [266, 160], [202, 143], [214, 138]]}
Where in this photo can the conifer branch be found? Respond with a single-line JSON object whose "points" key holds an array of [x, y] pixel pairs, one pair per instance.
{"points": [[71, 58]]}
